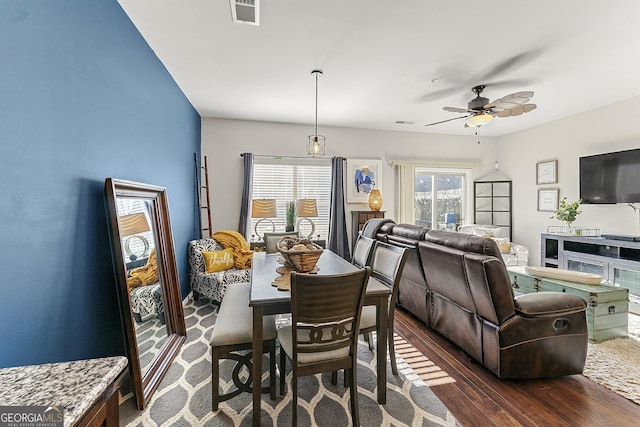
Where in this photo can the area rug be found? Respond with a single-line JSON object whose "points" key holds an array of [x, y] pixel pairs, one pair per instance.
{"points": [[615, 363], [184, 395]]}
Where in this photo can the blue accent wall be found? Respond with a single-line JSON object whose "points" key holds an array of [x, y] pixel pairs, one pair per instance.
{"points": [[82, 98]]}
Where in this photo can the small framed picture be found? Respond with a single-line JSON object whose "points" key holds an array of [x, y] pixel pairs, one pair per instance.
{"points": [[548, 199], [547, 172]]}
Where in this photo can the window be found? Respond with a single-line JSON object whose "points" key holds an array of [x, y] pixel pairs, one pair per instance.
{"points": [[287, 182], [440, 197]]}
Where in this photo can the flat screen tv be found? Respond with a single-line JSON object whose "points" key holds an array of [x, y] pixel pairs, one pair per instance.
{"points": [[610, 178]]}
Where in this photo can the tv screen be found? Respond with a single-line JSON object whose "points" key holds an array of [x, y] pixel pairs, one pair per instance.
{"points": [[610, 177]]}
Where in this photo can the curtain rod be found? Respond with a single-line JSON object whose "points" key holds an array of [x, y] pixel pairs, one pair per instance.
{"points": [[275, 157]]}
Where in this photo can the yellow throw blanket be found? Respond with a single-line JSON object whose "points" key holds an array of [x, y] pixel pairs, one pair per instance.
{"points": [[241, 252], [146, 275]]}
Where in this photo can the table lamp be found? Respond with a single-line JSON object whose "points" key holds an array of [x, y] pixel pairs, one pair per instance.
{"points": [[306, 208], [264, 209], [132, 225]]}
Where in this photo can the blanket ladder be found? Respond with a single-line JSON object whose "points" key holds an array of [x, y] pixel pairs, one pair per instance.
{"points": [[203, 202]]}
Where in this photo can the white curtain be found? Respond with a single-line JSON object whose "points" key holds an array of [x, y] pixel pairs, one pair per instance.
{"points": [[405, 177]]}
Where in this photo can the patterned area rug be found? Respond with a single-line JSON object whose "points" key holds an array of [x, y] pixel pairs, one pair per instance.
{"points": [[184, 395], [615, 363]]}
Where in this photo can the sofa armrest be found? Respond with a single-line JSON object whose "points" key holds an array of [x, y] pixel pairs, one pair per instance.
{"points": [[548, 304]]}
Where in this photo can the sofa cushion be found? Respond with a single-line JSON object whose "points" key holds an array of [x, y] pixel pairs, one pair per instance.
{"points": [[464, 242], [409, 231]]}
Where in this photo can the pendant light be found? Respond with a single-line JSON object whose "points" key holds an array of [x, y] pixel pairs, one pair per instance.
{"points": [[315, 142]]}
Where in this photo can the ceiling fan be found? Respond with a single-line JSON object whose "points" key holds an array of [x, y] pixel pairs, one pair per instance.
{"points": [[480, 111]]}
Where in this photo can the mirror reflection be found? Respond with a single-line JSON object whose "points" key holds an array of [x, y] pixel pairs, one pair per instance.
{"points": [[135, 218]]}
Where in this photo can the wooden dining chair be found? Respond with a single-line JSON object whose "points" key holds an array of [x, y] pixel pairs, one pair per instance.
{"points": [[362, 251], [387, 262], [322, 337], [271, 240]]}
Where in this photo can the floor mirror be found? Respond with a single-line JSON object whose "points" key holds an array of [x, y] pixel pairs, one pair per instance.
{"points": [[147, 280]]}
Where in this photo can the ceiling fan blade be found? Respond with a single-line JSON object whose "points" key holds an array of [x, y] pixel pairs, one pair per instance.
{"points": [[432, 96], [456, 110], [508, 65], [448, 120], [515, 111], [512, 100]]}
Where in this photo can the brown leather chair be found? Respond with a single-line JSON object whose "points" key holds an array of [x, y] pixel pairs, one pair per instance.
{"points": [[323, 335]]}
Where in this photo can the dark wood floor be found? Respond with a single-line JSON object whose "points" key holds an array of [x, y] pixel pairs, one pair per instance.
{"points": [[476, 397]]}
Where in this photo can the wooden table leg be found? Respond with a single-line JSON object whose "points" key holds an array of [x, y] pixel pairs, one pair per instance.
{"points": [[256, 356], [382, 316]]}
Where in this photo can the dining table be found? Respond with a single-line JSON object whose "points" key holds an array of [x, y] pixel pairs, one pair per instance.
{"points": [[266, 299]]}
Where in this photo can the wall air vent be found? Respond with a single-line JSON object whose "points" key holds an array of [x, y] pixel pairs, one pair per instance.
{"points": [[245, 11]]}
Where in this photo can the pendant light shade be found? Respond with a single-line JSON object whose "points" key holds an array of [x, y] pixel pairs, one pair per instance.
{"points": [[315, 142]]}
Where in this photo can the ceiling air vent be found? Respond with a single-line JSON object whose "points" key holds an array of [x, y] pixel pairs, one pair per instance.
{"points": [[245, 11]]}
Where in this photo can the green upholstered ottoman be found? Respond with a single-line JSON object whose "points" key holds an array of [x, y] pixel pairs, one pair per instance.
{"points": [[607, 306]]}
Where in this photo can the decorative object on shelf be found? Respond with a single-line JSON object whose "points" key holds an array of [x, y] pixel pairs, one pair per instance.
{"points": [[575, 231], [547, 172], [302, 254], [375, 200], [264, 209], [567, 212], [365, 175], [315, 142], [307, 208], [548, 199], [291, 216], [131, 226]]}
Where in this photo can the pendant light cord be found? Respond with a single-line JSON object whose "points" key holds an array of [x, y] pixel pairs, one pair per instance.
{"points": [[316, 133]]}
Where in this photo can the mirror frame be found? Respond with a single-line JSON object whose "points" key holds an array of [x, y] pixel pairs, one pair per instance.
{"points": [[144, 384]]}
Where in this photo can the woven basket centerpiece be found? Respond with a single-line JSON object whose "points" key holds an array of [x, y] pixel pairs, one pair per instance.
{"points": [[301, 254]]}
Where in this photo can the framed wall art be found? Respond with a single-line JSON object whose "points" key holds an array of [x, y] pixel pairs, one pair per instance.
{"points": [[363, 175], [548, 199], [547, 172]]}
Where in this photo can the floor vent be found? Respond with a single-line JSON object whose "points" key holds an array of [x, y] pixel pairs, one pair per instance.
{"points": [[245, 11]]}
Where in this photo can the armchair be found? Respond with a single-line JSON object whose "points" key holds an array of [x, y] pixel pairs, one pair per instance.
{"points": [[211, 285]]}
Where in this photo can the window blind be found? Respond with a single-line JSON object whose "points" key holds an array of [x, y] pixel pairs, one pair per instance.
{"points": [[287, 182]]}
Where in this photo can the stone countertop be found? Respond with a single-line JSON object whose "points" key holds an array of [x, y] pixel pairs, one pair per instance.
{"points": [[75, 385]]}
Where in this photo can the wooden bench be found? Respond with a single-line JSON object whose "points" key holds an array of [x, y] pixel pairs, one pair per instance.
{"points": [[233, 333]]}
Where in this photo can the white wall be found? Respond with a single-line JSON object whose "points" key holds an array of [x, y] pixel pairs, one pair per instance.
{"points": [[224, 140], [611, 128]]}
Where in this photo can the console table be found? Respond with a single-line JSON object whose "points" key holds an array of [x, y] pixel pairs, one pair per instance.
{"points": [[617, 261], [84, 388], [607, 306]]}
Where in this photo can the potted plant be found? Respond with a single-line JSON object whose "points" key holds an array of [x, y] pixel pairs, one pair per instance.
{"points": [[291, 216], [568, 212]]}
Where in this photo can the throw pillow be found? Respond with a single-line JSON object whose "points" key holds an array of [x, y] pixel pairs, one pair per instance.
{"points": [[218, 260], [503, 244]]}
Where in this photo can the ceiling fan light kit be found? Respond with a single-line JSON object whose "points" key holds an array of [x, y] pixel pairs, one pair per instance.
{"points": [[479, 120], [315, 142]]}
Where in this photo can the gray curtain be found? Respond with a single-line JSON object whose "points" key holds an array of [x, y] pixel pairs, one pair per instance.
{"points": [[338, 241], [244, 225]]}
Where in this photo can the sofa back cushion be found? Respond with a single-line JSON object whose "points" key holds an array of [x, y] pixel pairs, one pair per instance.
{"points": [[464, 242], [445, 273], [490, 287]]}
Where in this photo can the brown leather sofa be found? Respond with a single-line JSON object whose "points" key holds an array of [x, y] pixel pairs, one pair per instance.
{"points": [[458, 285]]}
